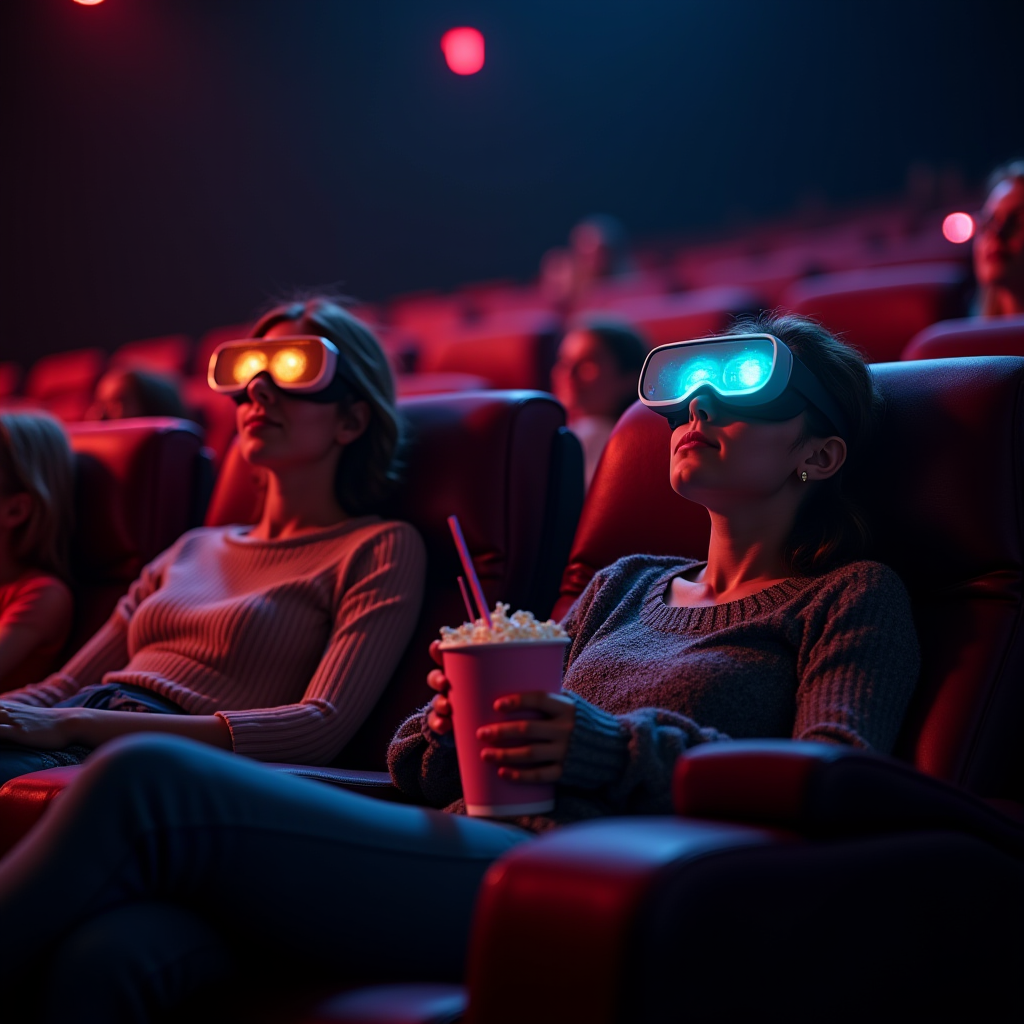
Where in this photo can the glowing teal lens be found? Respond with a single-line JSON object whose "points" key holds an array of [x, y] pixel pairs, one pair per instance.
{"points": [[746, 372], [730, 368]]}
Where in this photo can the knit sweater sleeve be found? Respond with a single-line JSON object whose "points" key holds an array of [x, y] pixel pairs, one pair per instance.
{"points": [[859, 661], [374, 618], [107, 649], [423, 763]]}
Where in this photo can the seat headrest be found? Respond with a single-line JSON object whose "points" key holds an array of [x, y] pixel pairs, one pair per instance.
{"points": [[469, 453], [134, 491]]}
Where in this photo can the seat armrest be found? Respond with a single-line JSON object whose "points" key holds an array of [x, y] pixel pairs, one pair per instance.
{"points": [[558, 912], [824, 789], [24, 799]]}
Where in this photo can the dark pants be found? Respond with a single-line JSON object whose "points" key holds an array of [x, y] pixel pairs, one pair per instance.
{"points": [[17, 760], [167, 856]]}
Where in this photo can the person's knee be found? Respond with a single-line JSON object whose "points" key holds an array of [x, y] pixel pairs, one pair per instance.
{"points": [[143, 764]]}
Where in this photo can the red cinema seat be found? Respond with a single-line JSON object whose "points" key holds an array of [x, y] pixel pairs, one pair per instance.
{"points": [[214, 411], [515, 351], [891, 873], [676, 317], [503, 462], [879, 310], [170, 355], [408, 384], [64, 382], [139, 484], [971, 336]]}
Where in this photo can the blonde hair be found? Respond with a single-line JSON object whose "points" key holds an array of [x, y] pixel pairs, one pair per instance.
{"points": [[35, 459]]}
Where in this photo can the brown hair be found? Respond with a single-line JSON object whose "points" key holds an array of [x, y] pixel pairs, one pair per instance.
{"points": [[35, 459], [369, 467], [830, 528]]}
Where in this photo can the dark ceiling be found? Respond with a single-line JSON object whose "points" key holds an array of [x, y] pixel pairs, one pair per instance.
{"points": [[170, 164]]}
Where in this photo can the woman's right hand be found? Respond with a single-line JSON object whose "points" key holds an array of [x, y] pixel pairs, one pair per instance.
{"points": [[439, 718]]}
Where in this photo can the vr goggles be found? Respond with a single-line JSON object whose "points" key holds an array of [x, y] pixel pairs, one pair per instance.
{"points": [[304, 366], [752, 373]]}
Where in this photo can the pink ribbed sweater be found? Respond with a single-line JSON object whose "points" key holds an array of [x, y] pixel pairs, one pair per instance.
{"points": [[289, 641]]}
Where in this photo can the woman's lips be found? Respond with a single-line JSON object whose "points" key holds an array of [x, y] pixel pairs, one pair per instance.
{"points": [[694, 439], [257, 422]]}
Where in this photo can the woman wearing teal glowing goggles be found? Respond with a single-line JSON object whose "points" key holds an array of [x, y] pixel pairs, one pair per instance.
{"points": [[755, 373]]}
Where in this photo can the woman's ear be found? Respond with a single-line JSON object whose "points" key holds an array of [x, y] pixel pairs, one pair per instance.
{"points": [[825, 459], [15, 510], [352, 422]]}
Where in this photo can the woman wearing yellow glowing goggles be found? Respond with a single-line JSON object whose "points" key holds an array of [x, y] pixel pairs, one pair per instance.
{"points": [[303, 365]]}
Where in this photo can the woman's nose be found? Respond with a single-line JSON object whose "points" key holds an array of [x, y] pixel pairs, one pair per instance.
{"points": [[702, 407], [260, 389]]}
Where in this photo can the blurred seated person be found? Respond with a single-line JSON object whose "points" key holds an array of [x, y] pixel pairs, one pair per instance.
{"points": [[999, 244], [598, 249], [595, 377], [36, 495], [123, 394], [272, 640]]}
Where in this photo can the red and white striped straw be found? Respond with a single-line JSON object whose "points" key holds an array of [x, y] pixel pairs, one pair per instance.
{"points": [[470, 571]]}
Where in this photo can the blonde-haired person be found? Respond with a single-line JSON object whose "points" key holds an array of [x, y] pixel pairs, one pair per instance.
{"points": [[36, 484], [271, 640]]}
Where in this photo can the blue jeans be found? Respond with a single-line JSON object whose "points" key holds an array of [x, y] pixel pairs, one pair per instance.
{"points": [[17, 760], [166, 857]]}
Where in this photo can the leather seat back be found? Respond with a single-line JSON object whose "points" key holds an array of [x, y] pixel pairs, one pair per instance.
{"points": [[503, 462], [880, 309], [944, 497], [139, 484], [970, 336]]}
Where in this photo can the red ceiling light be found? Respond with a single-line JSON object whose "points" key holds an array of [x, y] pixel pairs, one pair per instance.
{"points": [[958, 227], [463, 50], [88, 3]]}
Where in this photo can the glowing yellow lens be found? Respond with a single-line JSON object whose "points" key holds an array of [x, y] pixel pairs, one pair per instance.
{"points": [[288, 365], [248, 365]]}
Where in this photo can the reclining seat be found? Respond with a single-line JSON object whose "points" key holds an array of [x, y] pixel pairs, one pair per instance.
{"points": [[502, 461], [823, 881]]}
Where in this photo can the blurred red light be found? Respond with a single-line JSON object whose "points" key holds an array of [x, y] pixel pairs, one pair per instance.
{"points": [[88, 3], [463, 50], [958, 227]]}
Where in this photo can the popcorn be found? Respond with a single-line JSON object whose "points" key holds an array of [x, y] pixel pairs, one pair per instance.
{"points": [[506, 628]]}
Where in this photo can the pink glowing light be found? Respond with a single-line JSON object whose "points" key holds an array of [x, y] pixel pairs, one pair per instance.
{"points": [[463, 50], [958, 227], [88, 3]]}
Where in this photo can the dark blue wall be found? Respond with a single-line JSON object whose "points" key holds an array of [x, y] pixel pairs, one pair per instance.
{"points": [[168, 164]]}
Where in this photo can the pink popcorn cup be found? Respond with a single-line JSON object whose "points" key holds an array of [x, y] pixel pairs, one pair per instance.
{"points": [[479, 674]]}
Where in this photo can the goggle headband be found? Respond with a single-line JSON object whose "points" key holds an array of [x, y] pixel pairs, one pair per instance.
{"points": [[755, 372], [302, 365]]}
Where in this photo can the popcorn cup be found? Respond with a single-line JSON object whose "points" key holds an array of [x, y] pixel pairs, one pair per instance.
{"points": [[479, 674]]}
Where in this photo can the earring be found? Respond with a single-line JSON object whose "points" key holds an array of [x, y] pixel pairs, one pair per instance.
{"points": [[803, 476]]}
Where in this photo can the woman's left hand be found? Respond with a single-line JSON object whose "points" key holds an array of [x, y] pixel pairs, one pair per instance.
{"points": [[530, 749], [45, 728]]}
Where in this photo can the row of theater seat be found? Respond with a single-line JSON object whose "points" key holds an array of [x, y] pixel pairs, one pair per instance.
{"points": [[786, 862], [879, 310]]}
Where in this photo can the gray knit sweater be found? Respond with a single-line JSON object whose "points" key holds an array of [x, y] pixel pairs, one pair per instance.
{"points": [[832, 658]]}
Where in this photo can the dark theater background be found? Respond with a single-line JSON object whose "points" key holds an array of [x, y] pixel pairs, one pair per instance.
{"points": [[170, 164]]}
